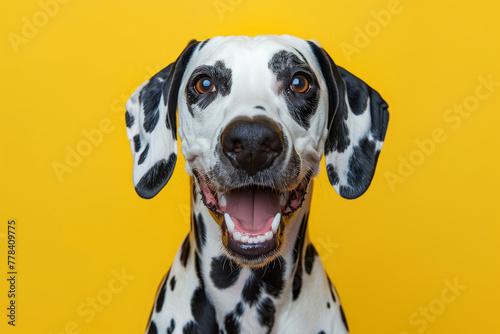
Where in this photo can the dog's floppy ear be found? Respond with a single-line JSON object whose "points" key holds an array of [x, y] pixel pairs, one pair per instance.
{"points": [[151, 126], [357, 123]]}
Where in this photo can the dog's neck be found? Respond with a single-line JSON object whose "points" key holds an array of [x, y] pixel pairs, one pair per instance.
{"points": [[220, 276]]}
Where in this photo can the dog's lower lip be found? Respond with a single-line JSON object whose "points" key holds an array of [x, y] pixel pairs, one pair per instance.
{"points": [[252, 251]]}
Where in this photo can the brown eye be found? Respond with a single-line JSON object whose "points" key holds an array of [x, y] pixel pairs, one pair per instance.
{"points": [[299, 84], [204, 85]]}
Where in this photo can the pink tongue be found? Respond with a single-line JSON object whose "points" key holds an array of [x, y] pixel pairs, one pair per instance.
{"points": [[253, 209]]}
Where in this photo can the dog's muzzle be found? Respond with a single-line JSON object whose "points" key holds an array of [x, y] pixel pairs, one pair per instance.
{"points": [[252, 216]]}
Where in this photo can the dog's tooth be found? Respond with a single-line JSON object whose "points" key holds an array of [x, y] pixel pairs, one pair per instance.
{"points": [[276, 222], [222, 199], [237, 236], [244, 238], [229, 223], [261, 238], [268, 235]]}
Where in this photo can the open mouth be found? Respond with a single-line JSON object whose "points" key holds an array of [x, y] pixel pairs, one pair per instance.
{"points": [[252, 218]]}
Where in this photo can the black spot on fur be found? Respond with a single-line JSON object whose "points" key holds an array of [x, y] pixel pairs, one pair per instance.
{"points": [[161, 296], [239, 309], [171, 328], [197, 267], [224, 272], [137, 143], [266, 311], [333, 294], [333, 176], [231, 323], [321, 332], [172, 283], [361, 169], [260, 108], [150, 98], [297, 281], [327, 304], [144, 155], [221, 77], [251, 290], [152, 328], [342, 314], [204, 315], [299, 246], [331, 289], [191, 328], [203, 44], [270, 278], [129, 119], [335, 141], [311, 253], [156, 177], [185, 249], [356, 94], [285, 65], [200, 232]]}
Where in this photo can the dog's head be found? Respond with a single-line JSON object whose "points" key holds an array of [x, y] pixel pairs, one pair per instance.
{"points": [[256, 116]]}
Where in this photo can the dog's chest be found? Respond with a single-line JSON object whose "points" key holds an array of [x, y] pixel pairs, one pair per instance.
{"points": [[203, 293]]}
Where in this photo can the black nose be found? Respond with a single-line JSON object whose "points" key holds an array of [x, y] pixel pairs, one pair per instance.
{"points": [[252, 145]]}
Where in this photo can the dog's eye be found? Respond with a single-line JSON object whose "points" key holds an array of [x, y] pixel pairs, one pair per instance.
{"points": [[204, 85], [299, 84]]}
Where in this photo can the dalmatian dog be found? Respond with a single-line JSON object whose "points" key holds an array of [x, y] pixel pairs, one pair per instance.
{"points": [[256, 116]]}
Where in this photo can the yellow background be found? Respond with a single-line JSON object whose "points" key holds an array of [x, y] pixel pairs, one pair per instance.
{"points": [[391, 253]]}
